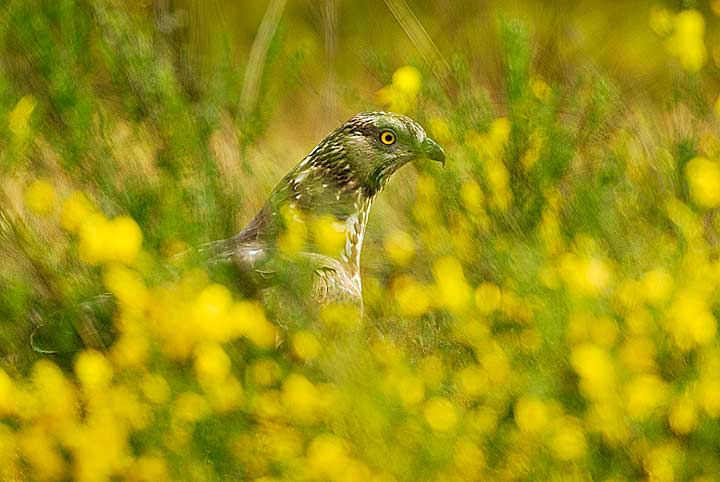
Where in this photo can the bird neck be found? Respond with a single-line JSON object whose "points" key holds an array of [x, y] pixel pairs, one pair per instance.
{"points": [[355, 225]]}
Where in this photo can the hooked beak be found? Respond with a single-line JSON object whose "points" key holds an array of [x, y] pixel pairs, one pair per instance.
{"points": [[432, 150]]}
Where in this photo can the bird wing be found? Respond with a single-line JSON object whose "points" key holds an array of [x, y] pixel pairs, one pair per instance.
{"points": [[263, 266], [313, 189]]}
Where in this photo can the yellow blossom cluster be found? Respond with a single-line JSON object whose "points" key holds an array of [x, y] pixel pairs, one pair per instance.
{"points": [[40, 197], [703, 177], [323, 404], [543, 308], [401, 95], [490, 147], [684, 34]]}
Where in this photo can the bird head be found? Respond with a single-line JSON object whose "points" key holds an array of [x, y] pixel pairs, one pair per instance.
{"points": [[369, 147]]}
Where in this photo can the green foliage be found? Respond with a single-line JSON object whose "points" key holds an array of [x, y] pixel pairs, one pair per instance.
{"points": [[544, 307]]}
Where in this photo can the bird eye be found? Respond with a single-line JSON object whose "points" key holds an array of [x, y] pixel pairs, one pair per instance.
{"points": [[387, 137]]}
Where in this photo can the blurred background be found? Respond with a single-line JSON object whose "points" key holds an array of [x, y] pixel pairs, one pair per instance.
{"points": [[543, 308]]}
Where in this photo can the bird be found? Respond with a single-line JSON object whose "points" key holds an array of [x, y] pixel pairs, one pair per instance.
{"points": [[339, 178]]}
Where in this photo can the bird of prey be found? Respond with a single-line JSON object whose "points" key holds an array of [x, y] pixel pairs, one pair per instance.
{"points": [[340, 177]]}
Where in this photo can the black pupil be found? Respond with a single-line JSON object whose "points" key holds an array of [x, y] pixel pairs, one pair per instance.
{"points": [[388, 137]]}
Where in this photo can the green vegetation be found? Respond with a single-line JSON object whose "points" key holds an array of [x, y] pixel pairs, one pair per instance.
{"points": [[543, 308]]}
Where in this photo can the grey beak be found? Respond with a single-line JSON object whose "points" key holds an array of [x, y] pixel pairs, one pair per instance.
{"points": [[432, 150]]}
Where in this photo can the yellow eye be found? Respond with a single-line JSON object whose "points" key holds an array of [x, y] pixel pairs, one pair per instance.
{"points": [[387, 137]]}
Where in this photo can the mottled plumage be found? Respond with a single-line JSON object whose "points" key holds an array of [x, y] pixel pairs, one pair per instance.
{"points": [[339, 178]]}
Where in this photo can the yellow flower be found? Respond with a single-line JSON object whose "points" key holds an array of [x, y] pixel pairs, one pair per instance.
{"points": [[691, 320], [93, 370], [658, 285], [703, 177], [407, 80], [127, 286], [292, 240], [401, 95], [40, 197], [600, 330], [491, 147], [103, 241], [499, 180], [19, 117], [484, 419], [588, 275], [212, 364], [127, 408], [610, 420], [469, 458], [533, 151], [130, 350], [439, 129], [56, 396], [125, 240], [472, 196], [226, 395], [660, 463], [488, 297], [709, 395], [411, 390], [8, 455], [604, 331], [39, 449], [645, 394], [683, 415], [149, 468], [269, 404], [687, 40], [473, 381], [531, 414], [93, 234], [569, 441], [7, 394], [210, 313], [249, 318], [306, 345], [500, 131], [597, 374], [300, 397], [400, 247], [638, 354], [412, 298], [440, 414], [75, 210], [329, 234], [496, 365], [453, 292], [190, 407], [327, 457]]}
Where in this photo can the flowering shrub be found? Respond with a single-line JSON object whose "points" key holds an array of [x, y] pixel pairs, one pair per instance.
{"points": [[543, 308]]}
